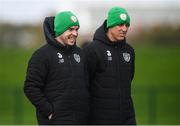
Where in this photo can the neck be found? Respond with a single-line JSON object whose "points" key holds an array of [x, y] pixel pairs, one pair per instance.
{"points": [[60, 41]]}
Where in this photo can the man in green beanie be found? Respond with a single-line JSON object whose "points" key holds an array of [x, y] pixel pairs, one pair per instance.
{"points": [[55, 81], [110, 65]]}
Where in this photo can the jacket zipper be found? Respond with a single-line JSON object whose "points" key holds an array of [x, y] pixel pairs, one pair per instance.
{"points": [[70, 64], [118, 77]]}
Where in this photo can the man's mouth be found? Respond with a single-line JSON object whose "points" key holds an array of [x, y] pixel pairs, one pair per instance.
{"points": [[72, 37], [122, 34]]}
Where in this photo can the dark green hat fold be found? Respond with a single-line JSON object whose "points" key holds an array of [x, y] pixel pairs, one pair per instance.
{"points": [[117, 16], [63, 21]]}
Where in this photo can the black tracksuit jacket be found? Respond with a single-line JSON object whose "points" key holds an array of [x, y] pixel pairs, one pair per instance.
{"points": [[55, 82], [111, 70]]}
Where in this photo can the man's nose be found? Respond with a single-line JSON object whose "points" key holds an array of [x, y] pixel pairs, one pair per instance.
{"points": [[124, 27], [75, 33]]}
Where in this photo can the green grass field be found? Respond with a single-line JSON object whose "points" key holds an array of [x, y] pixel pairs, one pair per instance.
{"points": [[155, 86]]}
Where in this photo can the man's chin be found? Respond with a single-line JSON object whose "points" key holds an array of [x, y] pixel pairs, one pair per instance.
{"points": [[121, 38], [71, 43]]}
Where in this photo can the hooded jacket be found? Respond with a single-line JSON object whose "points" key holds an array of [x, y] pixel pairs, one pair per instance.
{"points": [[55, 82], [110, 70]]}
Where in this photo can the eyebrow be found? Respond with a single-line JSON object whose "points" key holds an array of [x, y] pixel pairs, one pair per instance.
{"points": [[74, 28]]}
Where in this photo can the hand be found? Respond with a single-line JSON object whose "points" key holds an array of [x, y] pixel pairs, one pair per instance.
{"points": [[50, 116]]}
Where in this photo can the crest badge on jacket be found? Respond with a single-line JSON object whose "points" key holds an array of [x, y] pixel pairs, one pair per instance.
{"points": [[126, 57], [77, 58]]}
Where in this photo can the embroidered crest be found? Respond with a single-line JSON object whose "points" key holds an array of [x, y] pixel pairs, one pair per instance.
{"points": [[123, 16], [73, 18], [126, 57], [61, 60], [109, 55], [77, 58], [59, 55]]}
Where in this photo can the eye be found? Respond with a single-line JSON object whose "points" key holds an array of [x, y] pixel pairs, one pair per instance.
{"points": [[77, 29], [127, 25], [71, 29]]}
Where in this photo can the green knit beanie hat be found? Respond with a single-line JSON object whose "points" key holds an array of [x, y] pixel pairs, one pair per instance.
{"points": [[116, 16], [63, 21]]}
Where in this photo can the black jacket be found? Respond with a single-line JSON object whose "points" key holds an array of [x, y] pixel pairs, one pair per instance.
{"points": [[111, 70], [55, 82]]}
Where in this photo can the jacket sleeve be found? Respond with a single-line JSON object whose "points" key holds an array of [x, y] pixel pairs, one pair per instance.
{"points": [[35, 81], [133, 66], [90, 62]]}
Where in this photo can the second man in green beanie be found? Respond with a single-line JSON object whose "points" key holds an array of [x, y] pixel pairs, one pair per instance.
{"points": [[110, 65]]}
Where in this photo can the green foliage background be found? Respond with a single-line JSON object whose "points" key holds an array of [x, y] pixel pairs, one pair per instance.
{"points": [[157, 68]]}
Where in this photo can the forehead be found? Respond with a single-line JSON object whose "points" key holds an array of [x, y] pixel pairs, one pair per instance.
{"points": [[120, 26], [74, 27]]}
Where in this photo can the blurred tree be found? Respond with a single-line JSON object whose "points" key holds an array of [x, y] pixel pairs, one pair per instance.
{"points": [[26, 36], [158, 34]]}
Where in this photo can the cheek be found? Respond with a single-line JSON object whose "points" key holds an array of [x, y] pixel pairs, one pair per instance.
{"points": [[116, 32], [67, 37]]}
